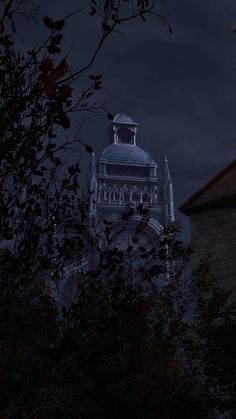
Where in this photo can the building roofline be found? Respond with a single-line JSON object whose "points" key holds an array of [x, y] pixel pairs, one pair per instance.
{"points": [[188, 203], [127, 120], [136, 124]]}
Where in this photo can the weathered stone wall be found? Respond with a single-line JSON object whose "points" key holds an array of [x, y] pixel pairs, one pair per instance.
{"points": [[213, 233]]}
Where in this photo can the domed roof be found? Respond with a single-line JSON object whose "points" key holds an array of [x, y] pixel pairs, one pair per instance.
{"points": [[122, 118], [127, 154]]}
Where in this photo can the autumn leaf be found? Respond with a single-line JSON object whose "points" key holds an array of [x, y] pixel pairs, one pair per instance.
{"points": [[58, 25], [95, 78], [48, 22], [60, 70], [88, 148], [53, 49], [56, 39], [5, 41], [97, 85], [110, 116], [64, 92], [64, 120], [49, 86], [72, 186], [57, 161], [46, 65]]}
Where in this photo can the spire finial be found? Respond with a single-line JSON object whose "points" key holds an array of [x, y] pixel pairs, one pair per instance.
{"points": [[168, 195], [166, 169], [93, 164]]}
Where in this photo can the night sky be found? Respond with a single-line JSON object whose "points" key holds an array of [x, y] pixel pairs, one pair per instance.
{"points": [[180, 88]]}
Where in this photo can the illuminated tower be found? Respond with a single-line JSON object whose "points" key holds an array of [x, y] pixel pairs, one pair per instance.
{"points": [[128, 176]]}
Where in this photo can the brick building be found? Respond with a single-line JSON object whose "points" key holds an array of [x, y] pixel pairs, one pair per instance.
{"points": [[212, 214]]}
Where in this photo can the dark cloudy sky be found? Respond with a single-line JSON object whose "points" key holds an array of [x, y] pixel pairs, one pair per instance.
{"points": [[181, 89]]}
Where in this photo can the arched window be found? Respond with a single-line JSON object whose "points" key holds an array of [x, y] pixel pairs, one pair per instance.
{"points": [[126, 197], [125, 135], [135, 197]]}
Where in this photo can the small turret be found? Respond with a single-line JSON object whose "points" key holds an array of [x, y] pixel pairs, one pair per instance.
{"points": [[124, 129], [168, 195]]}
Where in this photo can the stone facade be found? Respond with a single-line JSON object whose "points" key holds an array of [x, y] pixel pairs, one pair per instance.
{"points": [[212, 213]]}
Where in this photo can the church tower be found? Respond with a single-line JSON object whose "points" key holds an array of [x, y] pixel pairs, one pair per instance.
{"points": [[128, 176]]}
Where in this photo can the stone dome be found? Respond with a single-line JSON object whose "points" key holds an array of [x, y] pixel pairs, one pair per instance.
{"points": [[122, 118], [126, 154]]}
